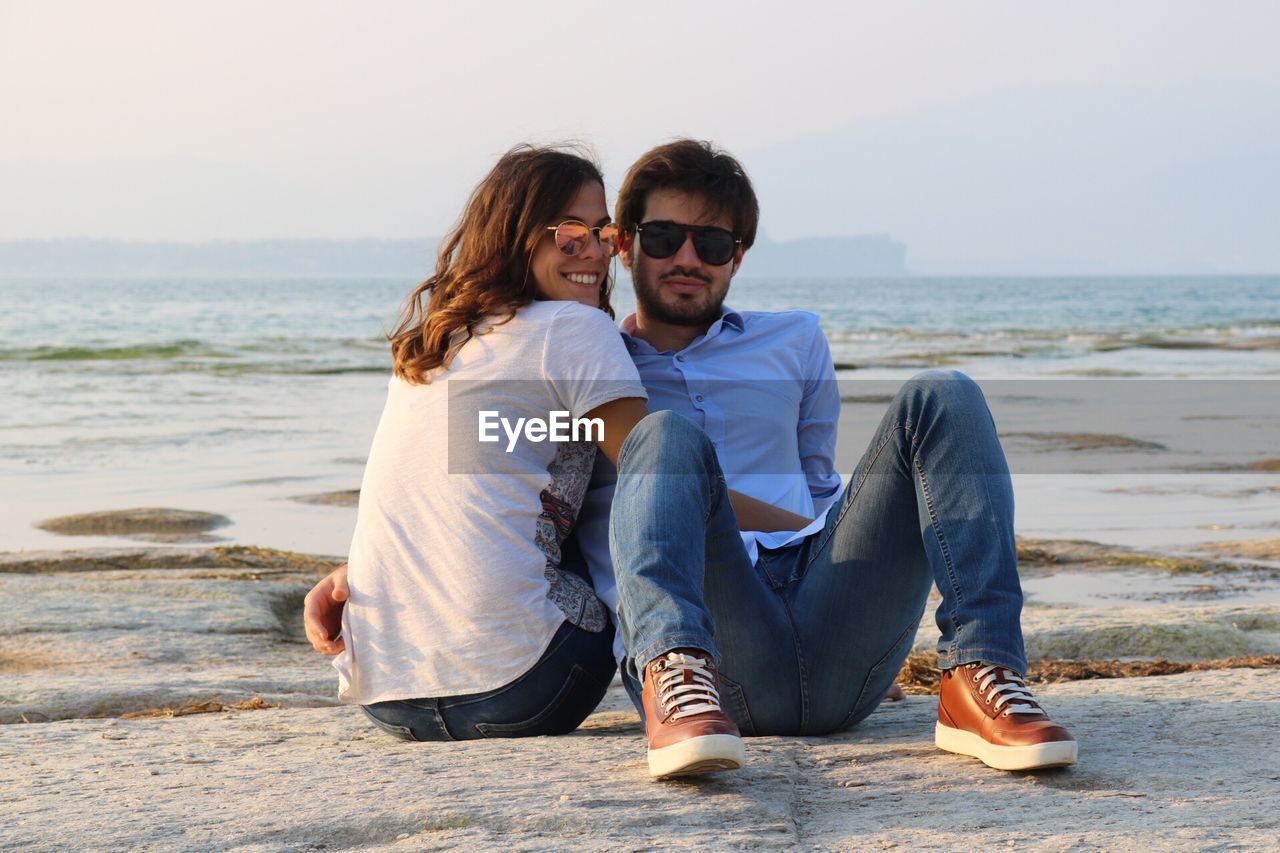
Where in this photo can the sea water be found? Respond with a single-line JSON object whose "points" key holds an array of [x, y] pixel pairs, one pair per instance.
{"points": [[239, 395]]}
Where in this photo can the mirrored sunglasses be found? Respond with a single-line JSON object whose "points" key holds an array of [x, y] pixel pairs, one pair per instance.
{"points": [[572, 237]]}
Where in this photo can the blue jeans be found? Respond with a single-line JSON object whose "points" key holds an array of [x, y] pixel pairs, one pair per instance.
{"points": [[552, 698], [810, 638]]}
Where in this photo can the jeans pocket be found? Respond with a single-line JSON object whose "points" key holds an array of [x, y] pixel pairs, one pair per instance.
{"points": [[734, 701], [566, 710], [867, 701], [401, 732]]}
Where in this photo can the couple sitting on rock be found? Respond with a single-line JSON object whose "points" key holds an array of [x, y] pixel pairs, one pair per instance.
{"points": [[752, 595]]}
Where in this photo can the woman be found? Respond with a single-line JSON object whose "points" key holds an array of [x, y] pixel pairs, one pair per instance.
{"points": [[464, 620]]}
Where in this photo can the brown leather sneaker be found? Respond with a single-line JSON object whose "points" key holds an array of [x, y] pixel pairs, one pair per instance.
{"points": [[688, 731], [988, 712]]}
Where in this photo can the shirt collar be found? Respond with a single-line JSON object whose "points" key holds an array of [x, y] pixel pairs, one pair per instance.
{"points": [[728, 317]]}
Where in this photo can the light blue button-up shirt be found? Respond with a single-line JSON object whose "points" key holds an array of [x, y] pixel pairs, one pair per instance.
{"points": [[762, 387]]}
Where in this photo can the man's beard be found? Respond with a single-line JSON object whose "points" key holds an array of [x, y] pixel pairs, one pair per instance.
{"points": [[684, 312]]}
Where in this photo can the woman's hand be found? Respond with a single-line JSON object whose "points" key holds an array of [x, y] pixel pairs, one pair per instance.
{"points": [[322, 611]]}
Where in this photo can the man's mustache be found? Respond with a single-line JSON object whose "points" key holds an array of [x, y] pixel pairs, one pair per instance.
{"points": [[685, 273]]}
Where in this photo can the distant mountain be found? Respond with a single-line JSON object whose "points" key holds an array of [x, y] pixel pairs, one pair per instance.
{"points": [[818, 256]]}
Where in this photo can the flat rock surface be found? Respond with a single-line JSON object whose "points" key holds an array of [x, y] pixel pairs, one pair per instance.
{"points": [[1177, 762], [102, 643], [1181, 761]]}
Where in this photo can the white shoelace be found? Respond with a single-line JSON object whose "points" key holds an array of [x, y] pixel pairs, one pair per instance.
{"points": [[1006, 692], [695, 696]]}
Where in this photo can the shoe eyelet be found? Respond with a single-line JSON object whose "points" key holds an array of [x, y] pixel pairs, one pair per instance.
{"points": [[988, 701]]}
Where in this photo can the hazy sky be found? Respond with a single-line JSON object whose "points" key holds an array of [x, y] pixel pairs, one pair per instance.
{"points": [[974, 132]]}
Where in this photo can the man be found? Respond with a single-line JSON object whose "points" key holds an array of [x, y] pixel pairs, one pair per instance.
{"points": [[790, 613]]}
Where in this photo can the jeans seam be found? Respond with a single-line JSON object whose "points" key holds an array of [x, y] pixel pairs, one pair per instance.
{"points": [[713, 498], [763, 559], [856, 489], [944, 549], [801, 669]]}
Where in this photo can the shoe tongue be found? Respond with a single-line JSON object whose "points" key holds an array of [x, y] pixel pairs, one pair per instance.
{"points": [[685, 659]]}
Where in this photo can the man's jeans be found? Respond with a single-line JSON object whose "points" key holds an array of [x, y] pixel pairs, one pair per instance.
{"points": [[811, 637]]}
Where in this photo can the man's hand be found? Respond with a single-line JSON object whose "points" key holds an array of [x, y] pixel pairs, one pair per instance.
{"points": [[322, 611]]}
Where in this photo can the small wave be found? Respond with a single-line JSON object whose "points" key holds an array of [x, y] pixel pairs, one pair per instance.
{"points": [[1248, 333], [307, 369], [276, 344], [1100, 372], [1246, 344], [135, 352]]}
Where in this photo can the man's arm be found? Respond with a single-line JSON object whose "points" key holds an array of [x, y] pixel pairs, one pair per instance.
{"points": [[818, 423]]}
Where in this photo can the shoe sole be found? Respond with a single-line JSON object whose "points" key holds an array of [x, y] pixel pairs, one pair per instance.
{"points": [[1038, 756], [706, 754]]}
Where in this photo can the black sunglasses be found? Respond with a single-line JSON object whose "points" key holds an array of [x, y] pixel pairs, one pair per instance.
{"points": [[714, 245]]}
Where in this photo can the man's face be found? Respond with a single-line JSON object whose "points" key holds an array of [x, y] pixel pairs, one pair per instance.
{"points": [[681, 290]]}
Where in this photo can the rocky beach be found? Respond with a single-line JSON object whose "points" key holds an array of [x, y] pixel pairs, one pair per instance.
{"points": [[165, 698]]}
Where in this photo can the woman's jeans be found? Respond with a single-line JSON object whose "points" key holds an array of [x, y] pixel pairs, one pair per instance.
{"points": [[810, 638], [552, 698]]}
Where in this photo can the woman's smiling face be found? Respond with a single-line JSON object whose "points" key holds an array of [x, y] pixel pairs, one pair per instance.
{"points": [[578, 278]]}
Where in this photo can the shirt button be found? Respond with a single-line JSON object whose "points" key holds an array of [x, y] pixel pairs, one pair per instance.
{"points": [[679, 358], [698, 398]]}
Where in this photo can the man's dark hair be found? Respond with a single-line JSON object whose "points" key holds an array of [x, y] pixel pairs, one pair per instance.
{"points": [[697, 168]]}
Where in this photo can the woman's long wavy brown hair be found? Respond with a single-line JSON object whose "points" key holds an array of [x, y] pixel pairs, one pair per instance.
{"points": [[483, 269]]}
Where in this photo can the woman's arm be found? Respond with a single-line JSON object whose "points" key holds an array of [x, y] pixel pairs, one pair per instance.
{"points": [[764, 517], [322, 611], [620, 417]]}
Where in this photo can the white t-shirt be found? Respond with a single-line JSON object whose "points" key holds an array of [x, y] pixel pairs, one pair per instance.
{"points": [[455, 585]]}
